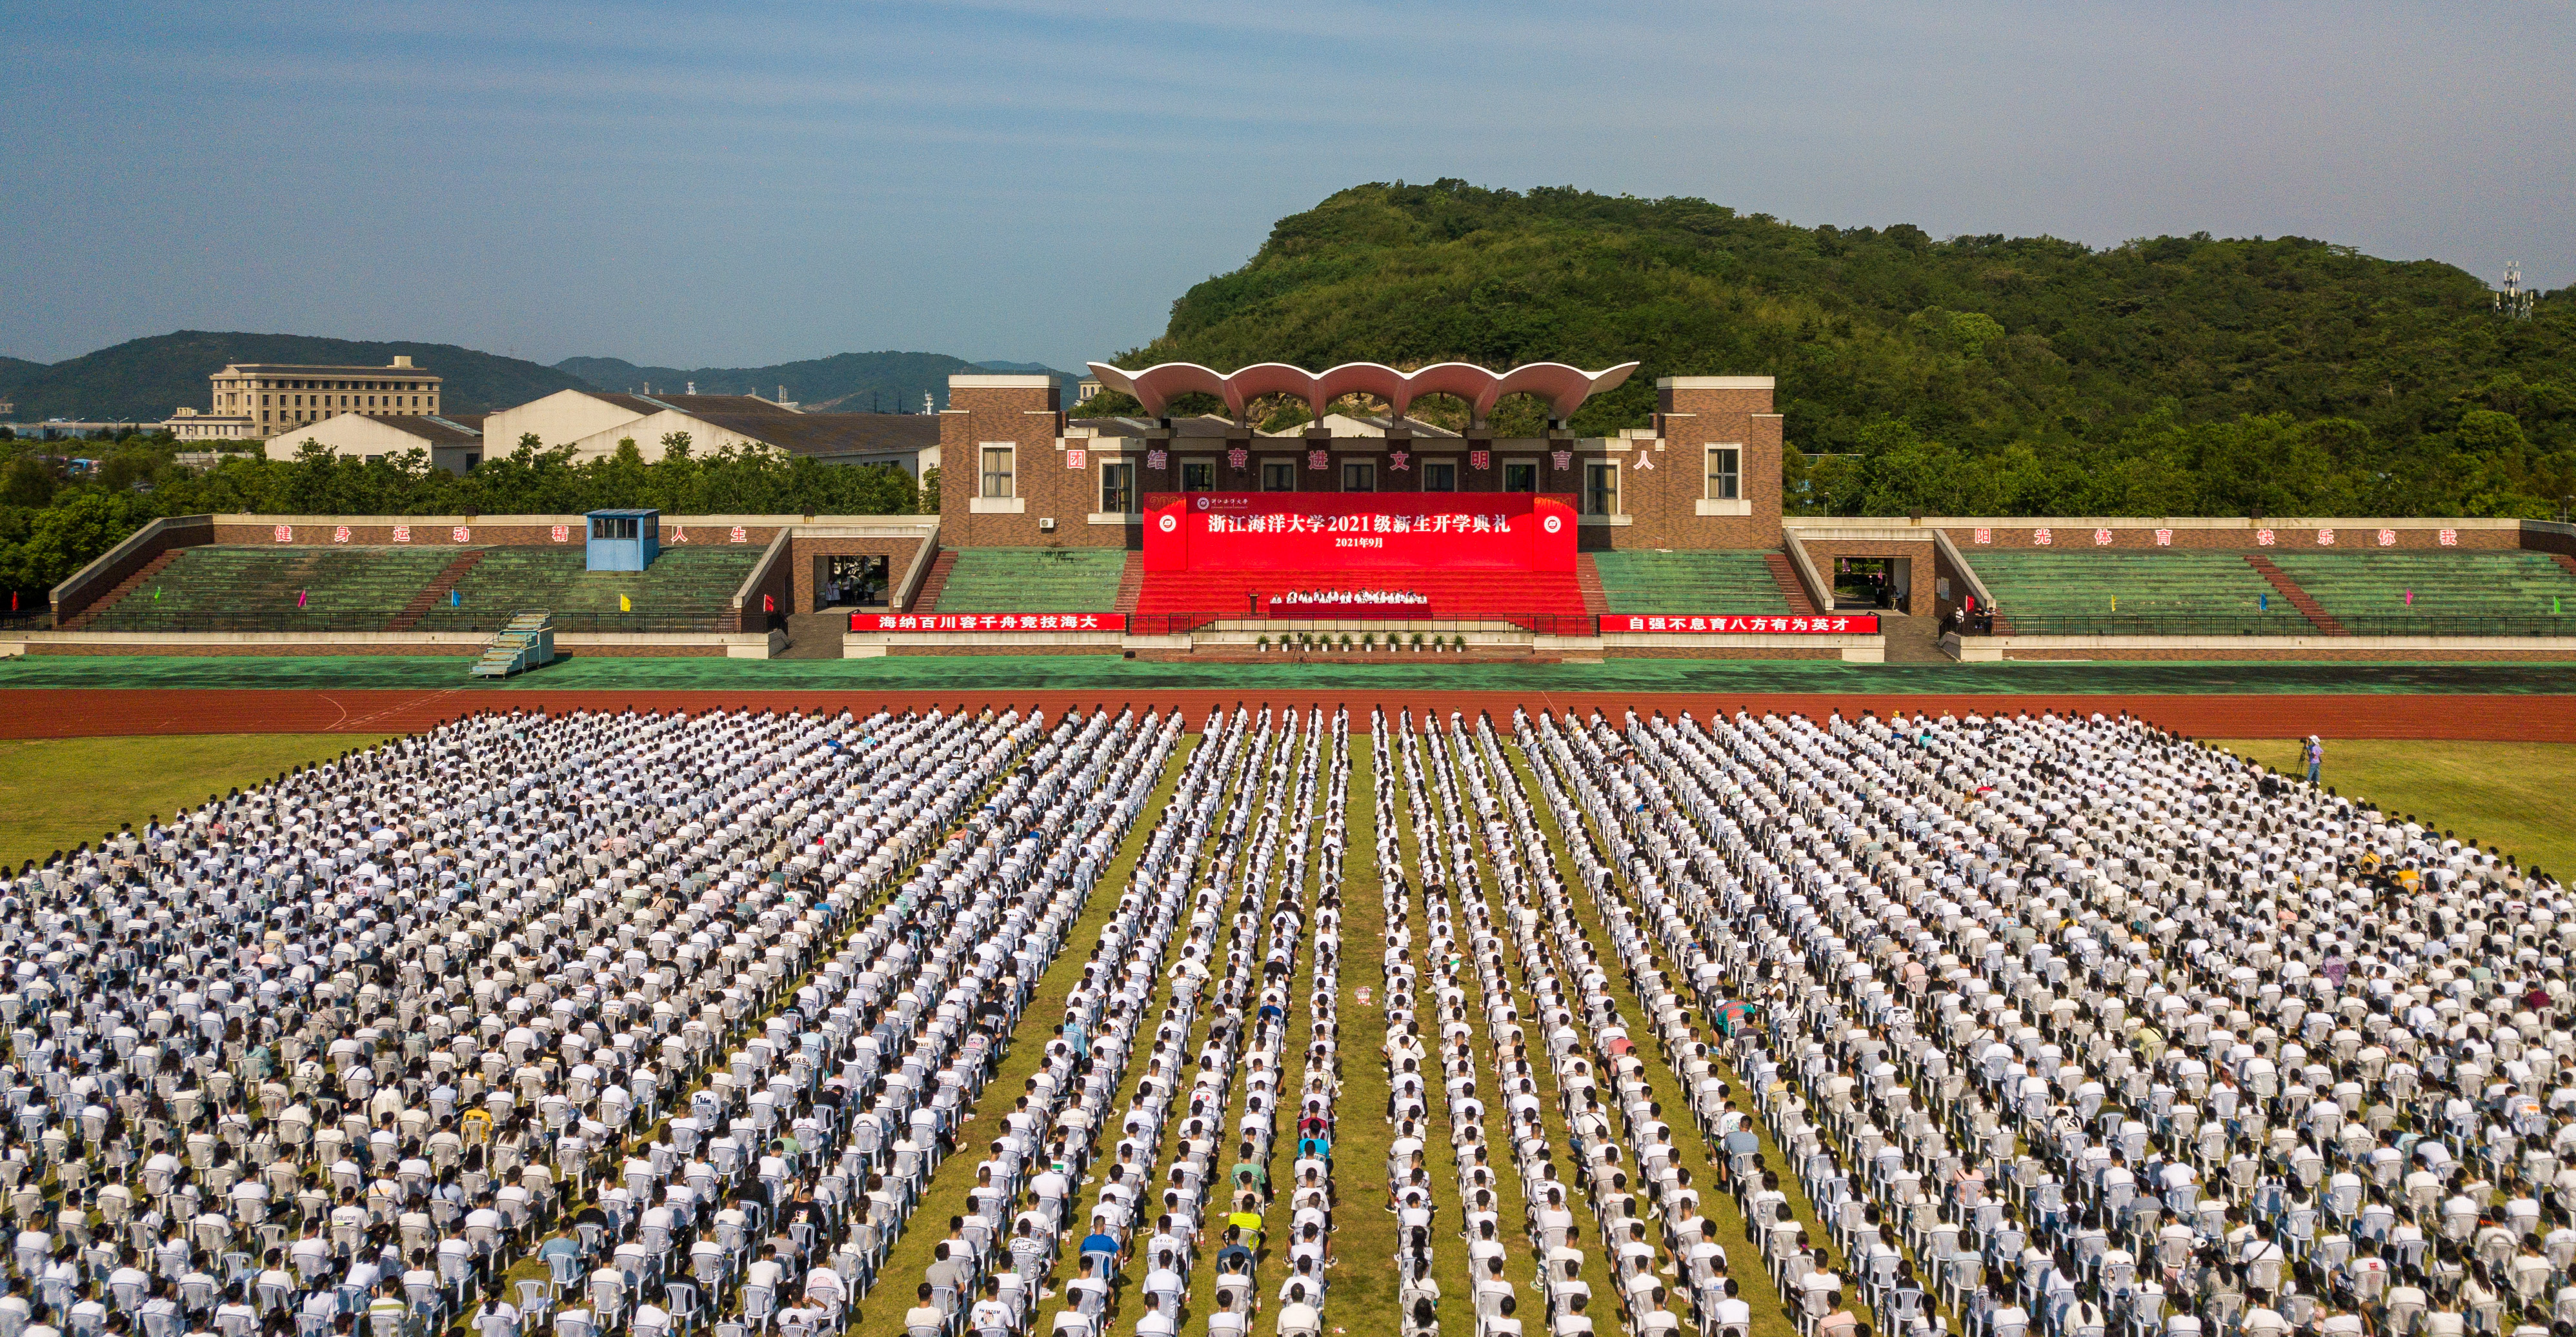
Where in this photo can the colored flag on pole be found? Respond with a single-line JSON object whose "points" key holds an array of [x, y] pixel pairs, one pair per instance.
{"points": [[456, 598], [768, 604], [625, 604], [299, 597]]}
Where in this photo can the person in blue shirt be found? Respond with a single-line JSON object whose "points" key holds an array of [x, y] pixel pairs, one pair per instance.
{"points": [[1100, 1252]]}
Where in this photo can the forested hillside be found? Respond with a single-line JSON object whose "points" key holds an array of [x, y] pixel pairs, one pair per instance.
{"points": [[1974, 375], [146, 380]]}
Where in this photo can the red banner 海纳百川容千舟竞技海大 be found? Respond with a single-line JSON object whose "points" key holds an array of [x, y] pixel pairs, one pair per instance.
{"points": [[1359, 531]]}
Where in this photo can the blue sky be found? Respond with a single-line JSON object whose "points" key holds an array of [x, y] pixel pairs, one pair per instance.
{"points": [[739, 184]]}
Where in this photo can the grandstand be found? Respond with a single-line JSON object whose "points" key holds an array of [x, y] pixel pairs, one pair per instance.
{"points": [[1032, 580], [282, 588], [685, 589], [2367, 590], [1455, 595], [1730, 583], [2074, 590]]}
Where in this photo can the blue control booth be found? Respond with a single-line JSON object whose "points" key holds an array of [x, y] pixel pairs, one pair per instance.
{"points": [[622, 540]]}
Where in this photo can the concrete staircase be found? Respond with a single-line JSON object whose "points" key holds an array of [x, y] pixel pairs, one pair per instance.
{"points": [[1131, 583], [816, 635], [436, 590], [1912, 640], [1587, 575], [84, 617], [1784, 573], [926, 598], [2299, 599]]}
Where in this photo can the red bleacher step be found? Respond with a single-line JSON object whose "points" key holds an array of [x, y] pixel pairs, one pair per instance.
{"points": [[448, 578], [1784, 573], [1131, 583], [927, 597], [123, 588], [2565, 562], [2299, 599], [1587, 575]]}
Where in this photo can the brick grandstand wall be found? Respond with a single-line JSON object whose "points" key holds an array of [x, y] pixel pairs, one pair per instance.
{"points": [[87, 586], [802, 550], [441, 531], [2234, 535], [1920, 595], [1028, 419], [1663, 502]]}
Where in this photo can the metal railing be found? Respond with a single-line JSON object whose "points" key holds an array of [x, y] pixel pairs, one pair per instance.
{"points": [[486, 623], [1544, 624], [2284, 623]]}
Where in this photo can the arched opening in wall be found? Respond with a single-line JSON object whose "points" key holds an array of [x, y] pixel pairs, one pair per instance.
{"points": [[1278, 413], [1445, 411], [1520, 414]]}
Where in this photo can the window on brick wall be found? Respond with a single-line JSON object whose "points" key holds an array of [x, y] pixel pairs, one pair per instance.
{"points": [[997, 471], [1600, 489], [1118, 488], [1725, 473]]}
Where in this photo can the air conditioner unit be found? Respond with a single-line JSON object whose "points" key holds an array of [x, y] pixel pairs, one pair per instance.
{"points": [[1046, 524]]}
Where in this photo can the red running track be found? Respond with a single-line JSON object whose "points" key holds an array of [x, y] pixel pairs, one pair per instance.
{"points": [[103, 712]]}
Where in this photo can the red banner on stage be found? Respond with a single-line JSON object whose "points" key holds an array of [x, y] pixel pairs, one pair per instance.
{"points": [[988, 622], [1358, 531], [1820, 624]]}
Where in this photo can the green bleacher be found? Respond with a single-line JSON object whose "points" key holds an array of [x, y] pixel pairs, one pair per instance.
{"points": [[2079, 592], [1734, 583], [250, 588], [686, 589], [2371, 586], [1033, 580]]}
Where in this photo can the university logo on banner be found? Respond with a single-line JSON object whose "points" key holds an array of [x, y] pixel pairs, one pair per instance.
{"points": [[2042, 537], [2164, 538]]}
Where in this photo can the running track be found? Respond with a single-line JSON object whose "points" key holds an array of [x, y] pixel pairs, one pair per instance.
{"points": [[99, 712]]}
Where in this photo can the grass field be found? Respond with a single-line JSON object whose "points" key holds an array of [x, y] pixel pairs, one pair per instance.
{"points": [[2512, 796], [55, 794]]}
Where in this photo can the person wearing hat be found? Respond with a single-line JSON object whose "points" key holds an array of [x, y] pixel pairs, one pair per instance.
{"points": [[2315, 754]]}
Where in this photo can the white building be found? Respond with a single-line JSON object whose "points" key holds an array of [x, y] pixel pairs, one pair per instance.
{"points": [[454, 444], [593, 422]]}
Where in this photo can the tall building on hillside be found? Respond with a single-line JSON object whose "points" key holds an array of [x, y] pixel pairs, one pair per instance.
{"points": [[255, 400]]}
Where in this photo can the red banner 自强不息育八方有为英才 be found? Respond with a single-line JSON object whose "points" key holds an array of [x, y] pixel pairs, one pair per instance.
{"points": [[1359, 531]]}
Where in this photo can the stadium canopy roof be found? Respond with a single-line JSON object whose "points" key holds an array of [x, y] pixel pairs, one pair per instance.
{"points": [[1563, 387]]}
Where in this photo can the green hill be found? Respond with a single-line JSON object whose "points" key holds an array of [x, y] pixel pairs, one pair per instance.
{"points": [[145, 379], [15, 371], [1973, 375], [843, 383]]}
